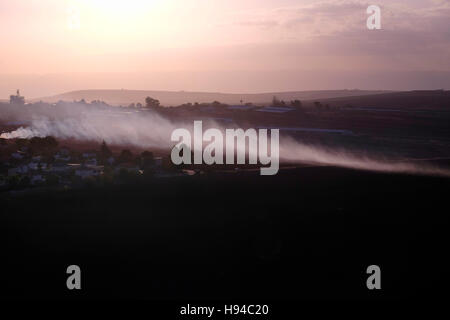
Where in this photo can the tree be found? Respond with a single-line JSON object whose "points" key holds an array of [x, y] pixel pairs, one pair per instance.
{"points": [[126, 156], [50, 142], [13, 181], [105, 151], [318, 105], [21, 142], [151, 103], [24, 182], [52, 180], [296, 104], [43, 145], [148, 159], [275, 101]]}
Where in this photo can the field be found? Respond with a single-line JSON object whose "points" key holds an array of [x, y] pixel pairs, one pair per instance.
{"points": [[309, 232], [304, 234]]}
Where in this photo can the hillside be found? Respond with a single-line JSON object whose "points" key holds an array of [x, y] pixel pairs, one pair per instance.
{"points": [[173, 98], [424, 99]]}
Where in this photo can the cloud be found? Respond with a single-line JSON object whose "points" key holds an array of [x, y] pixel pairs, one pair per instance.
{"points": [[337, 16], [415, 34]]}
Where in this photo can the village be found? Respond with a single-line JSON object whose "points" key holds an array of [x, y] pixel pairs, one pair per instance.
{"points": [[34, 163]]}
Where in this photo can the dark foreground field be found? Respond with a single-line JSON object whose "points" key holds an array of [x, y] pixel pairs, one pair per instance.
{"points": [[303, 234]]}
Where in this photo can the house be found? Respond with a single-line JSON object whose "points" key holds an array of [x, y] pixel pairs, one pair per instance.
{"points": [[17, 155], [158, 162], [62, 158], [89, 155], [18, 170], [37, 166], [64, 151], [63, 155], [91, 162], [36, 179], [33, 166], [74, 166], [275, 109], [129, 167], [60, 167], [86, 172]]}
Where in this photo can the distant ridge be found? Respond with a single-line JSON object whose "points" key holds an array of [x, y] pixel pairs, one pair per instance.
{"points": [[174, 98], [419, 99]]}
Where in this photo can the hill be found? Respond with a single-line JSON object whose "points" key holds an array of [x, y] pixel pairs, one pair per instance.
{"points": [[420, 99], [173, 98]]}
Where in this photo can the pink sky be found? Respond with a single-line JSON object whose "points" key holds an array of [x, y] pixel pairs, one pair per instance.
{"points": [[230, 46]]}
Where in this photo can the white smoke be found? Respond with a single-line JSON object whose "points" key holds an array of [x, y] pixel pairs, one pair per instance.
{"points": [[140, 129], [147, 129], [294, 151]]}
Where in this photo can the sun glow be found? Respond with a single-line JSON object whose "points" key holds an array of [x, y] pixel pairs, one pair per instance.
{"points": [[118, 8], [106, 23]]}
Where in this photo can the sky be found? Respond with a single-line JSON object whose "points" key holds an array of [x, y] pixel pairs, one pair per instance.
{"points": [[52, 46]]}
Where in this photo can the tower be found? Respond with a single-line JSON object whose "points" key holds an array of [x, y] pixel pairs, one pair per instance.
{"points": [[17, 99]]}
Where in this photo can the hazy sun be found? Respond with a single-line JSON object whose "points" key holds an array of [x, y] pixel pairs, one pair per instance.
{"points": [[104, 17], [119, 8]]}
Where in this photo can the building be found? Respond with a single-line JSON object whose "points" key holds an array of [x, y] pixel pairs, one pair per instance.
{"points": [[91, 162], [86, 172], [62, 155], [37, 166], [17, 99], [128, 167], [17, 155], [18, 170], [89, 155], [60, 168], [2, 181], [37, 179]]}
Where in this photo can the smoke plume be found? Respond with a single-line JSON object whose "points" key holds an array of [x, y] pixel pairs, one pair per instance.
{"points": [[150, 130]]}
